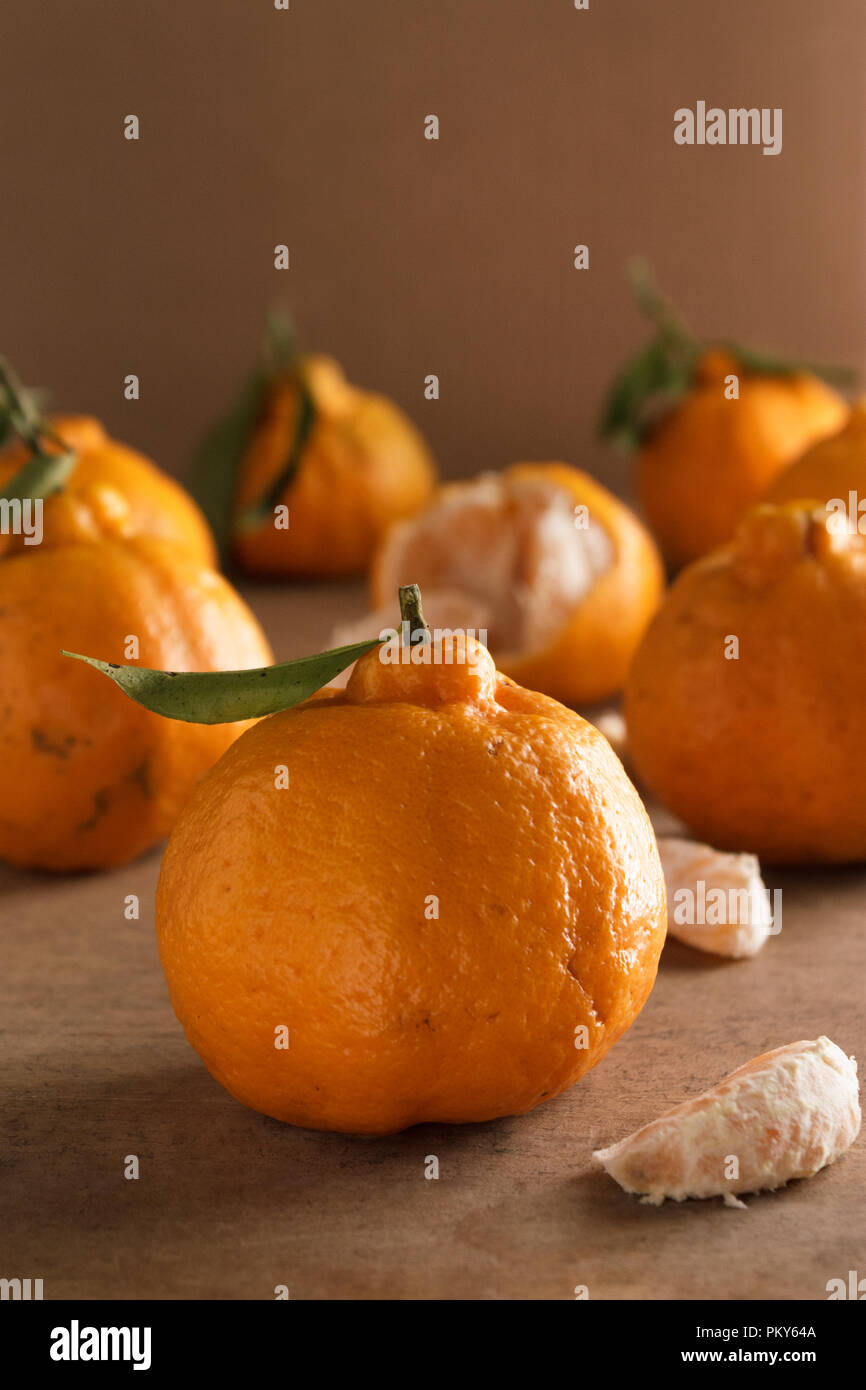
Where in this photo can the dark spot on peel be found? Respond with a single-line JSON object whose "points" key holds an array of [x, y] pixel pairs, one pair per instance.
{"points": [[101, 803], [141, 777], [55, 747]]}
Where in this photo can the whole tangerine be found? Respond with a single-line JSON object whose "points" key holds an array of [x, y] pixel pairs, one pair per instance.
{"points": [[831, 471], [746, 701], [157, 505], [714, 455], [362, 466], [449, 909], [88, 780]]}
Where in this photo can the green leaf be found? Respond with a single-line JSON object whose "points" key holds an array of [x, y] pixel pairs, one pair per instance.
{"points": [[281, 342], [217, 461], [661, 374], [658, 375], [40, 476], [222, 697], [651, 382], [21, 412], [655, 306], [765, 363], [263, 509]]}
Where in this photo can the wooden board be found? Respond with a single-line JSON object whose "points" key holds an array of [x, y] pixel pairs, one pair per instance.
{"points": [[230, 1204]]}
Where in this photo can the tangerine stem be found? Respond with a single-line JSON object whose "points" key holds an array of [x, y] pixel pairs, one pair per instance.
{"points": [[412, 614], [657, 307]]}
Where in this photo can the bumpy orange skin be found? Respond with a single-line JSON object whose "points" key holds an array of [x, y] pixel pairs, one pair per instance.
{"points": [[364, 466], [88, 779], [309, 907], [158, 506], [711, 458], [765, 752], [831, 469]]}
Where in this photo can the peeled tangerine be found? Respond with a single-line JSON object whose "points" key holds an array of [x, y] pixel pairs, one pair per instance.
{"points": [[784, 1115], [716, 902], [450, 910], [557, 572]]}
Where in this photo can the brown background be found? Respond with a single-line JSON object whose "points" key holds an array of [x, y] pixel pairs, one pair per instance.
{"points": [[408, 256]]}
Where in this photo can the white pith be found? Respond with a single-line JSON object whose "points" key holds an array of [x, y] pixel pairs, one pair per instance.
{"points": [[782, 1116], [499, 553], [687, 864]]}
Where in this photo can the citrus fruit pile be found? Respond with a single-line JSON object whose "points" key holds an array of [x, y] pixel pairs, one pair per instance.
{"points": [[433, 893]]}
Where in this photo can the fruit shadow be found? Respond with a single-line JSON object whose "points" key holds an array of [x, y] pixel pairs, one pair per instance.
{"points": [[626, 1213], [55, 882], [679, 959], [68, 1142]]}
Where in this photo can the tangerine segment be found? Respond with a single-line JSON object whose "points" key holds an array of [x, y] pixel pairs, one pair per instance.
{"points": [[565, 574], [716, 902], [453, 902], [784, 1115]]}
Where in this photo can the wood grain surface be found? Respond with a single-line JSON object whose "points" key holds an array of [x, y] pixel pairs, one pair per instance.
{"points": [[230, 1204]]}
